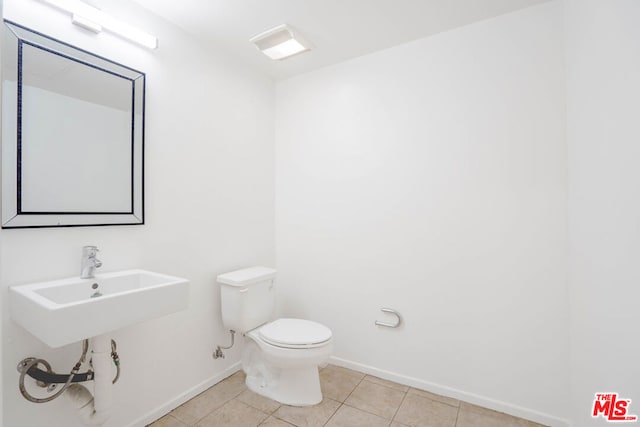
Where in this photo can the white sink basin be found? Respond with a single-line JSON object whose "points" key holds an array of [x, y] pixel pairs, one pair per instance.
{"points": [[61, 312]]}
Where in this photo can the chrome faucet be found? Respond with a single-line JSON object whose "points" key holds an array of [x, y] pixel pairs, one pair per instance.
{"points": [[89, 262]]}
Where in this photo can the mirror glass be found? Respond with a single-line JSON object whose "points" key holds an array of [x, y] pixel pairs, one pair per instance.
{"points": [[72, 135]]}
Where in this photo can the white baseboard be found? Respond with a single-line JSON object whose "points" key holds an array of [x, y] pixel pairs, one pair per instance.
{"points": [[160, 411], [486, 402], [496, 405]]}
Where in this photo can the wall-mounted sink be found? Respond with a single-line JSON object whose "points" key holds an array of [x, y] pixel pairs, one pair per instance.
{"points": [[65, 311]]}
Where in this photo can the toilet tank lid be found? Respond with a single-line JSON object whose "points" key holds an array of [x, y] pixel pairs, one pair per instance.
{"points": [[247, 276]]}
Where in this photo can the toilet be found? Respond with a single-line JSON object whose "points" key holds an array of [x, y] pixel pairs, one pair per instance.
{"points": [[282, 356]]}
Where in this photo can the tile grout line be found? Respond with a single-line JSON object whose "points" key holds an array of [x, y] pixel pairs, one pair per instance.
{"points": [[280, 419], [254, 407], [354, 389], [269, 414], [177, 419], [436, 400], [387, 386], [457, 415], [369, 412], [332, 414], [365, 411], [211, 412], [377, 415], [382, 385], [345, 399], [398, 409], [406, 393]]}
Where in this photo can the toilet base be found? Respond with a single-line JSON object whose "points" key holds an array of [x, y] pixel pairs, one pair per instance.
{"points": [[295, 387]]}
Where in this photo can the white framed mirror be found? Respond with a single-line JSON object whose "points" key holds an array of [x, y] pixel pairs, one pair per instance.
{"points": [[72, 135]]}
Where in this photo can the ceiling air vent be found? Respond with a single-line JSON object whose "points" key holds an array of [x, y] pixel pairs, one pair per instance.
{"points": [[280, 42]]}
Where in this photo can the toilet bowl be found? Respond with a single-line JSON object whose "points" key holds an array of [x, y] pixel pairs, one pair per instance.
{"points": [[281, 356]]}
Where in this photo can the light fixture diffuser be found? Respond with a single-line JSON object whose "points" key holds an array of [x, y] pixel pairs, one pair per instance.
{"points": [[85, 23], [280, 42], [95, 20]]}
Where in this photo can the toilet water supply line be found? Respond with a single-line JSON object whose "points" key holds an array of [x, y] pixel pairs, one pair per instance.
{"points": [[93, 409], [218, 353]]}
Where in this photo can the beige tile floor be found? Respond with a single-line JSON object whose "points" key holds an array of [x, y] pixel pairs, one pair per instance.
{"points": [[351, 399]]}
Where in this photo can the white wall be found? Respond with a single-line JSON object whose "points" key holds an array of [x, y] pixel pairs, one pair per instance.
{"points": [[431, 178], [209, 209], [603, 94]]}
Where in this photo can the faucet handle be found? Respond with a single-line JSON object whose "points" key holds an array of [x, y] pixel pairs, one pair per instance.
{"points": [[90, 251]]}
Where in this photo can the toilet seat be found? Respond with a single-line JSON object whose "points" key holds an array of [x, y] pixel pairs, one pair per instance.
{"points": [[295, 333]]}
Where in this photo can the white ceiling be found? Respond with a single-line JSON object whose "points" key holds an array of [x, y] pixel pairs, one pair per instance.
{"points": [[338, 29]]}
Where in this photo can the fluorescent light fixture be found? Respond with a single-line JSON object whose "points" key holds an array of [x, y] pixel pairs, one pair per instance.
{"points": [[83, 22], [94, 20], [280, 42]]}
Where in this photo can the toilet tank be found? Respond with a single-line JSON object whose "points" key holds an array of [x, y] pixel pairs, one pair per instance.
{"points": [[247, 297]]}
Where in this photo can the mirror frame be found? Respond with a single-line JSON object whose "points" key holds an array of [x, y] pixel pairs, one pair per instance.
{"points": [[13, 216]]}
